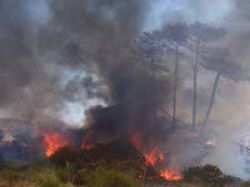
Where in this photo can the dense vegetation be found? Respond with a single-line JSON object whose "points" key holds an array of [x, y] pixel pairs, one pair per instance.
{"points": [[48, 175], [102, 167]]}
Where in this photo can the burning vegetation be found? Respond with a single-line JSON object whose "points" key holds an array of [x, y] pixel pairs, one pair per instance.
{"points": [[113, 90], [53, 141], [118, 152], [171, 175]]}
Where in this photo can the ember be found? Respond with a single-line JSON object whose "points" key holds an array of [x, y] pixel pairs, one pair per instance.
{"points": [[52, 142]]}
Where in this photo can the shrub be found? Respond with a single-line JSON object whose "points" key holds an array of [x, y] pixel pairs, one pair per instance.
{"points": [[111, 178], [103, 177], [48, 178], [117, 154], [67, 155], [67, 174], [83, 177], [10, 176], [208, 174]]}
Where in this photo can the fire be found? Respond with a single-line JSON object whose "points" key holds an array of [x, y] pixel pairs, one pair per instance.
{"points": [[171, 175], [53, 141], [87, 146], [153, 156]]}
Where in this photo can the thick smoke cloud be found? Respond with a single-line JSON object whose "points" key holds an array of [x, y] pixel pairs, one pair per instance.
{"points": [[42, 41], [134, 97]]}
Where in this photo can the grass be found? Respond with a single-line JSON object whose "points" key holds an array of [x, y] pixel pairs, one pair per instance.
{"points": [[48, 175]]}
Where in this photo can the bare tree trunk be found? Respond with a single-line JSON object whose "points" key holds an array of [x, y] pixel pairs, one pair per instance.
{"points": [[210, 107], [197, 51], [175, 86]]}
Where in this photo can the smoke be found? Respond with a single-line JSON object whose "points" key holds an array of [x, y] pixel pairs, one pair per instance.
{"points": [[230, 117], [71, 64], [43, 42], [165, 11], [228, 123]]}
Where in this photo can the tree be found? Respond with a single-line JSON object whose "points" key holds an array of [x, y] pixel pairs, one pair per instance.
{"points": [[220, 61], [207, 174], [176, 36], [149, 50], [200, 35]]}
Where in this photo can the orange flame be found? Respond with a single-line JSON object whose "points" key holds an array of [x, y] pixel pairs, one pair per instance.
{"points": [[52, 142], [153, 156], [171, 175]]}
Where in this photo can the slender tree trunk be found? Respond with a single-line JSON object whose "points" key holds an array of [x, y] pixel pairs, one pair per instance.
{"points": [[197, 51], [210, 107], [175, 86]]}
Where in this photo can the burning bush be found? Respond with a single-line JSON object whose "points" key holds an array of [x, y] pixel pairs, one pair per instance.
{"points": [[53, 141], [104, 165], [118, 155], [116, 152]]}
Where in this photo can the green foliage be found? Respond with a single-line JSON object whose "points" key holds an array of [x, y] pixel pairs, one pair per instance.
{"points": [[102, 177], [83, 177], [208, 174], [67, 174], [10, 176], [49, 178]]}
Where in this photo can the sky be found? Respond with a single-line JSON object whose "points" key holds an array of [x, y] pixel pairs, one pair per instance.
{"points": [[210, 11]]}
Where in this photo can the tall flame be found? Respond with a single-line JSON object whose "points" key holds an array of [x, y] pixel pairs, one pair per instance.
{"points": [[53, 141]]}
